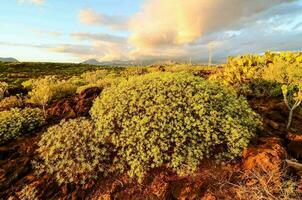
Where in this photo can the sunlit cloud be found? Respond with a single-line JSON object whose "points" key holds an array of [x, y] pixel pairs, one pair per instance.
{"points": [[47, 33], [186, 21], [183, 30], [91, 17], [98, 37]]}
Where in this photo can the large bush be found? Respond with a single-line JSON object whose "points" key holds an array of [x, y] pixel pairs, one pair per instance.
{"points": [[15, 122], [172, 118], [71, 152]]}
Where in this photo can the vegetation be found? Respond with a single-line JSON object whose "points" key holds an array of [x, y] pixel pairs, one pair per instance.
{"points": [[172, 118], [271, 74], [16, 73], [287, 70], [28, 192], [10, 102], [71, 152], [45, 90], [3, 89], [15, 122], [154, 117]]}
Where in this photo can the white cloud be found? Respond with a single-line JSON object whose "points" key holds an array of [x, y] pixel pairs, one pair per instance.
{"points": [[47, 33], [37, 2]]}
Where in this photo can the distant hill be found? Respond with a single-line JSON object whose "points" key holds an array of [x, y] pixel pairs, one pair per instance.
{"points": [[107, 63], [8, 60], [143, 62], [126, 62], [92, 62]]}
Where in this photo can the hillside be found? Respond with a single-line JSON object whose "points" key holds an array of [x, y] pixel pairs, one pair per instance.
{"points": [[8, 60], [159, 132]]}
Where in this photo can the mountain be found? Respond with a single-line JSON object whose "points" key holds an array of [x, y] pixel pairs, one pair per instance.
{"points": [[92, 62], [8, 60], [123, 62]]}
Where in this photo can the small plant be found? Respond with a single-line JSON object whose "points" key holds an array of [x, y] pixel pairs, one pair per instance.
{"points": [[3, 89], [15, 122], [71, 152], [287, 70], [46, 89], [10, 102], [296, 104], [172, 118], [28, 192]]}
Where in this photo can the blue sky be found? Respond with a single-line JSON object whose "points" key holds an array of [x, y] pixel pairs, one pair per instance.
{"points": [[74, 30]]}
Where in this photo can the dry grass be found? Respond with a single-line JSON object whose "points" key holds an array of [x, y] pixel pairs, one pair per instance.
{"points": [[265, 184]]}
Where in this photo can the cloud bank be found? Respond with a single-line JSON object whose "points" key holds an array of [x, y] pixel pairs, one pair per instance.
{"points": [[177, 22], [183, 29]]}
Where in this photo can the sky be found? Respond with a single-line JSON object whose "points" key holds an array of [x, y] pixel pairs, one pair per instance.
{"points": [[107, 30]]}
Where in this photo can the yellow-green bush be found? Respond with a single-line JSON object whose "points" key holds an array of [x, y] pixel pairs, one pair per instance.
{"points": [[254, 75], [15, 122], [287, 70], [44, 90], [101, 83], [71, 152], [172, 118]]}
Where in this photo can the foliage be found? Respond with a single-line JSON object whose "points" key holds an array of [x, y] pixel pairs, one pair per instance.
{"points": [[3, 89], [16, 73], [15, 122], [287, 70], [100, 82], [134, 71], [28, 193], [256, 75], [46, 89], [172, 118], [10, 102], [71, 152]]}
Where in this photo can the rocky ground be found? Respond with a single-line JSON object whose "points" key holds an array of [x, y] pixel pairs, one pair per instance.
{"points": [[261, 172]]}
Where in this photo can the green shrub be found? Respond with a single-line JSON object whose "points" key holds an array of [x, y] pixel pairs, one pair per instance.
{"points": [[257, 75], [287, 70], [10, 102], [134, 71], [71, 152], [172, 118], [101, 83], [15, 122]]}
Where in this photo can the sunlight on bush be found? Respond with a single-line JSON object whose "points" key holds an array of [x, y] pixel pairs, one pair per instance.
{"points": [[102, 83], [287, 70], [46, 89], [15, 122], [172, 118], [71, 152]]}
